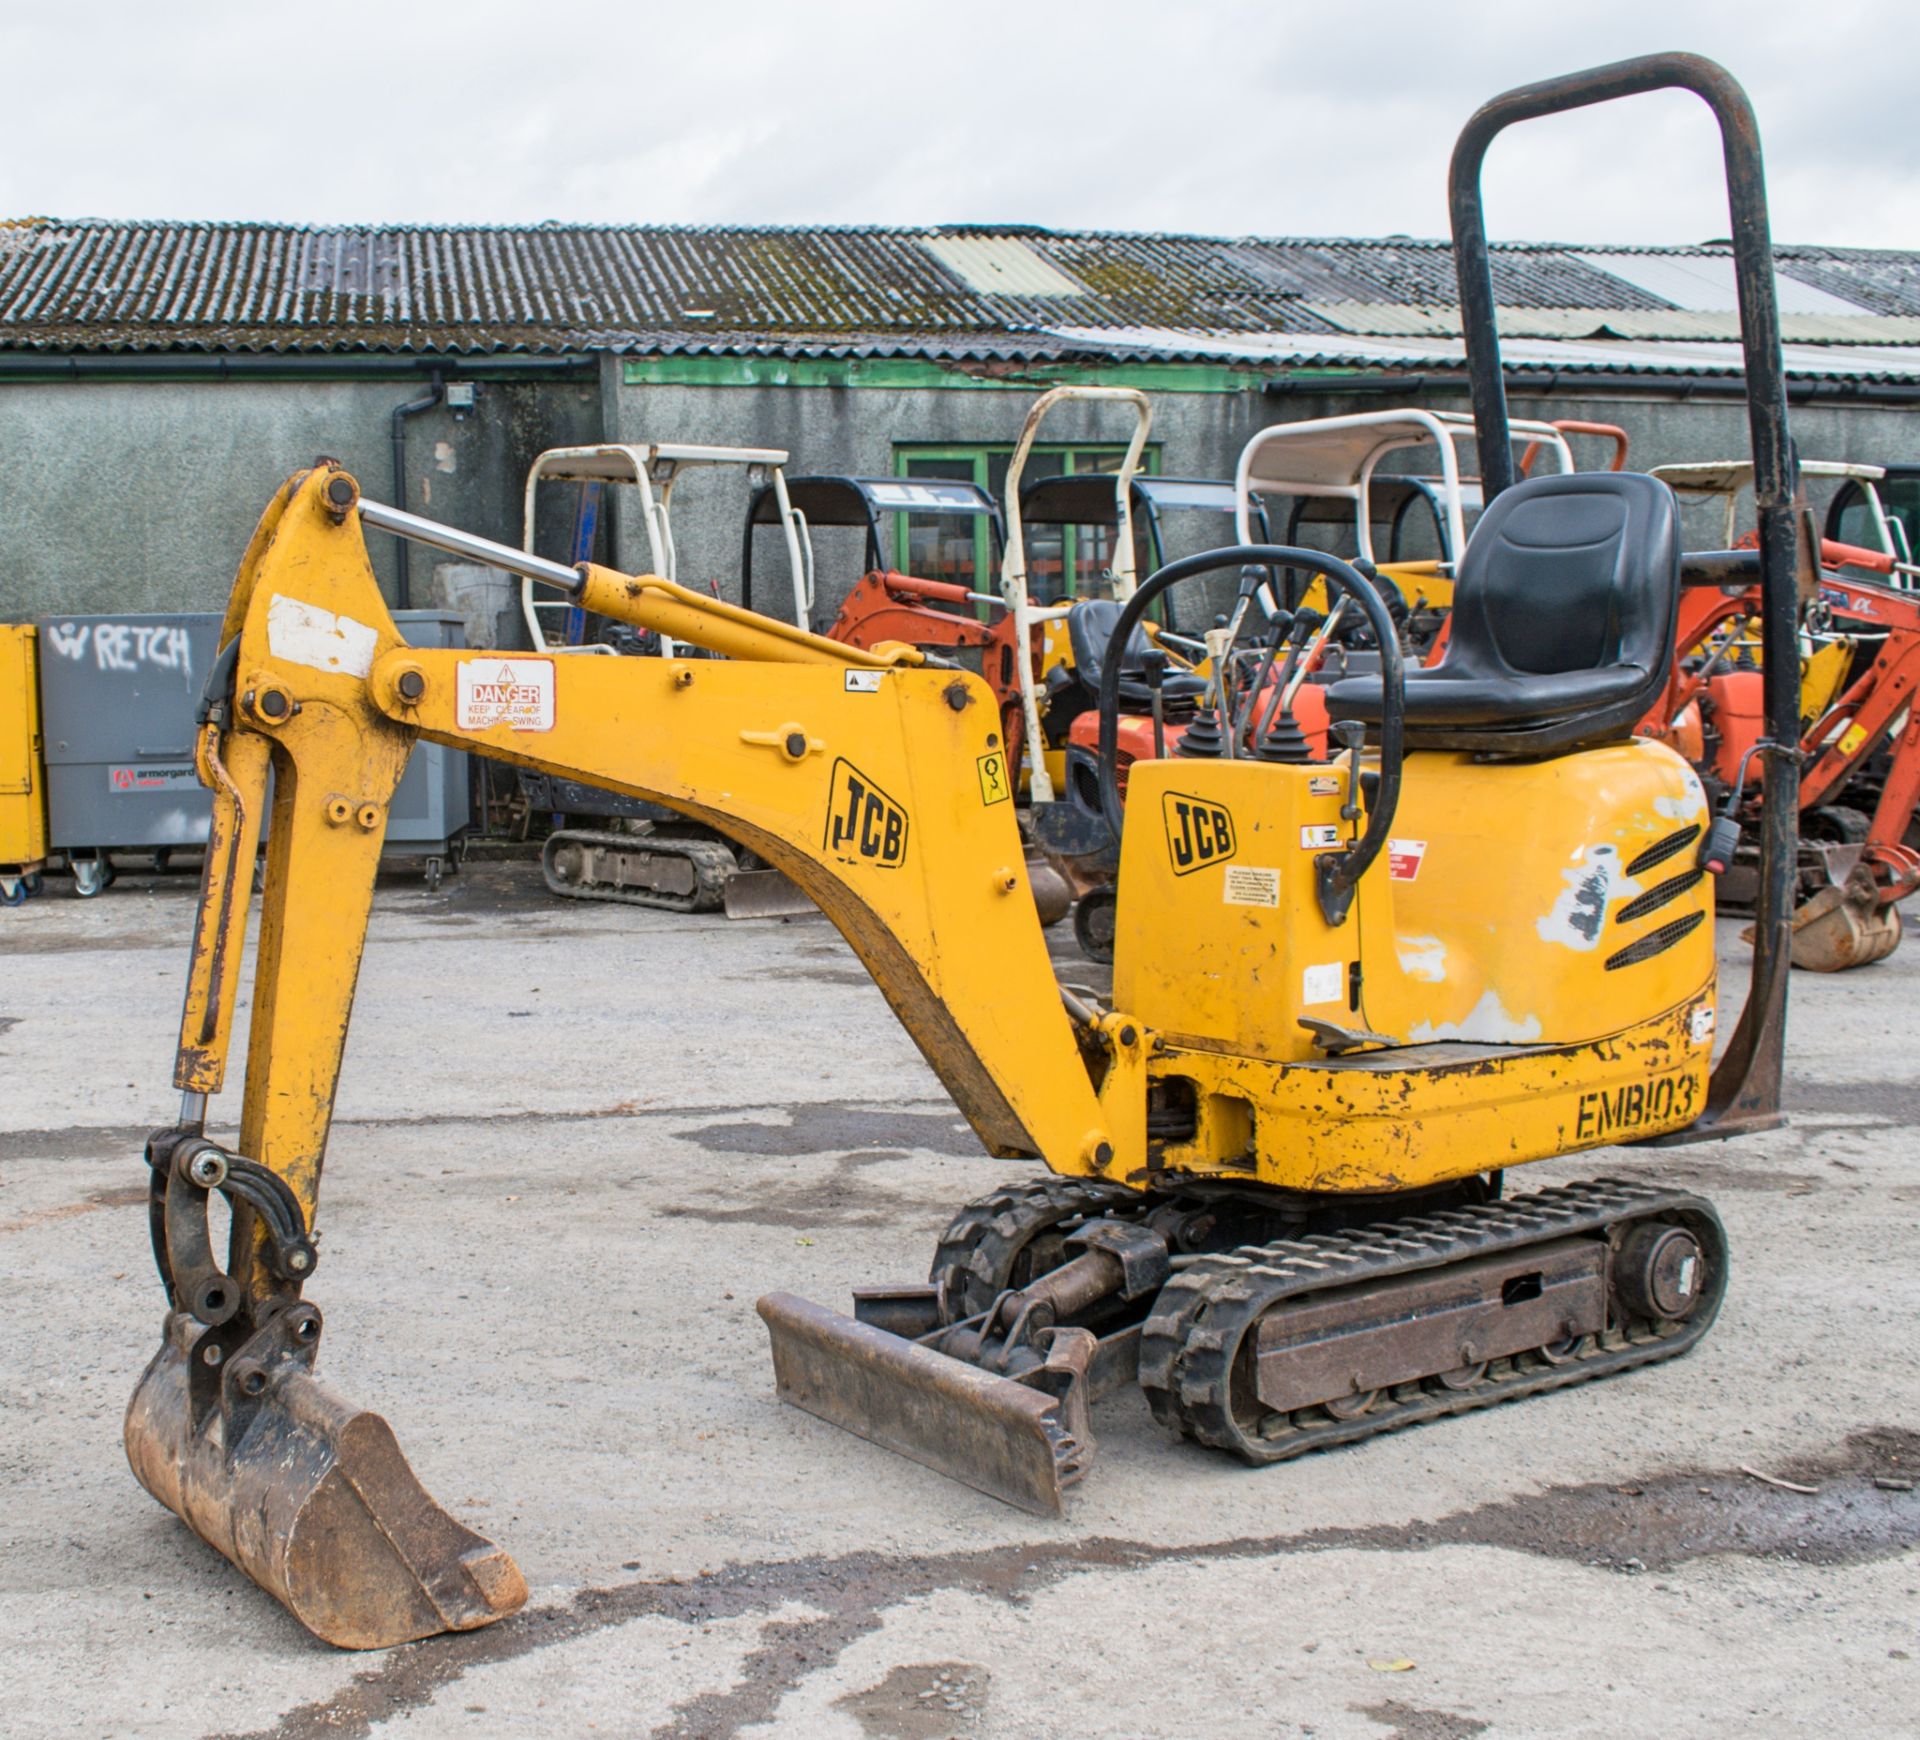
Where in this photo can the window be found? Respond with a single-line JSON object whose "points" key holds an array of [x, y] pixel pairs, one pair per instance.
{"points": [[1062, 561], [1851, 518]]}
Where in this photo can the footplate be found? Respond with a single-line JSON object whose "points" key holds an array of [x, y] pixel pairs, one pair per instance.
{"points": [[1272, 1351]]}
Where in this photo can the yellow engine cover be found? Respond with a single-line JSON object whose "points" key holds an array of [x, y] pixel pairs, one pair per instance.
{"points": [[23, 780], [1537, 935]]}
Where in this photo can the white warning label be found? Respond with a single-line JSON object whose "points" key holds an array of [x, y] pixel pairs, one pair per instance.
{"points": [[1248, 885], [516, 693], [1324, 984]]}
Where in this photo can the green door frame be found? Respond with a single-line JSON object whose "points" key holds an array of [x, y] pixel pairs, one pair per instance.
{"points": [[978, 454]]}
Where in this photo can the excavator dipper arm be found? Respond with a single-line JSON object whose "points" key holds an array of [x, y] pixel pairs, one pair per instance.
{"points": [[879, 785]]}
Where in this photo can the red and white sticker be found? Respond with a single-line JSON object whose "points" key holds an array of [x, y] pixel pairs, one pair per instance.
{"points": [[516, 693], [1404, 858]]}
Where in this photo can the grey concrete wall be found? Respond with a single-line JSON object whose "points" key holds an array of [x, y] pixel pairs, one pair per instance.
{"points": [[141, 496]]}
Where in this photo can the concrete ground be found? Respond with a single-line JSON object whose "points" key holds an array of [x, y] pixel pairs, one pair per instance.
{"points": [[574, 1143]]}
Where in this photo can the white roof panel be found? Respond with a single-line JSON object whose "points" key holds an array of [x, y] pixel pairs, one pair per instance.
{"points": [[1000, 265], [1706, 282]]}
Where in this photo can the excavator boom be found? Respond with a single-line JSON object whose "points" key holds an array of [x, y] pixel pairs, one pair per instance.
{"points": [[835, 764]]}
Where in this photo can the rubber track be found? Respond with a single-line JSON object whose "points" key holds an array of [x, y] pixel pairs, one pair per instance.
{"points": [[713, 862], [1203, 1314]]}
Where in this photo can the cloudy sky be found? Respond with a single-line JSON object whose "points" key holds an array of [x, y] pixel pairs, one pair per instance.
{"points": [[1214, 116]]}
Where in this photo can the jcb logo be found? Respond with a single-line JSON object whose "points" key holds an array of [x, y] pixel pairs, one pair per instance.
{"points": [[1198, 833], [864, 825]]}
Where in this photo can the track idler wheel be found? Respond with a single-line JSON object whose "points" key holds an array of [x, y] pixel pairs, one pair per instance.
{"points": [[306, 1493], [1659, 1272]]}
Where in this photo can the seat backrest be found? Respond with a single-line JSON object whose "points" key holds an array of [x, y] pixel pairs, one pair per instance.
{"points": [[1571, 572], [1090, 626]]}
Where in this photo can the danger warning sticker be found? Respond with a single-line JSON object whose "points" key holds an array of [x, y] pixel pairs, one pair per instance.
{"points": [[1404, 858], [516, 693]]}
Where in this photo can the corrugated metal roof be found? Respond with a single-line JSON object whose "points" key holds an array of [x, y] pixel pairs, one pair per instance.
{"points": [[1386, 320], [1859, 363], [1000, 266], [976, 293], [1705, 282]]}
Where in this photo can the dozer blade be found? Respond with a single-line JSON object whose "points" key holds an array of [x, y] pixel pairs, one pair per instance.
{"points": [[989, 1432], [307, 1494], [766, 894]]}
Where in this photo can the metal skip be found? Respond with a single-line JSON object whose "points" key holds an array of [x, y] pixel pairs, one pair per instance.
{"points": [[307, 1494], [989, 1432]]}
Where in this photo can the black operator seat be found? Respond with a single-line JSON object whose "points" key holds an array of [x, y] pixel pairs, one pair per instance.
{"points": [[1090, 626], [1563, 622]]}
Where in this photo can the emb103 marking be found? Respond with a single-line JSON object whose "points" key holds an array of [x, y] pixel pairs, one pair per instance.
{"points": [[1199, 832], [1664, 1100], [864, 825]]}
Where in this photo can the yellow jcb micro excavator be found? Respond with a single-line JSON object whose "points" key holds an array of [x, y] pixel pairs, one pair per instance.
{"points": [[1347, 997]]}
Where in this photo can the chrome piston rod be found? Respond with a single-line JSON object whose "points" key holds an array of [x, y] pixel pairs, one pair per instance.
{"points": [[475, 549]]}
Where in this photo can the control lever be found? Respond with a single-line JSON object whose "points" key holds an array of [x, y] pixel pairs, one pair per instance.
{"points": [[1153, 669], [1350, 734], [1247, 724]]}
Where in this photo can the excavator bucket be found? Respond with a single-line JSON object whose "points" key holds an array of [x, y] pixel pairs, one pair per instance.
{"points": [[1847, 921], [1843, 926], [989, 1432], [307, 1494]]}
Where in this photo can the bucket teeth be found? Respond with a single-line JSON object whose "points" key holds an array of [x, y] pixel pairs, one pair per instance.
{"points": [[998, 1436], [306, 1493]]}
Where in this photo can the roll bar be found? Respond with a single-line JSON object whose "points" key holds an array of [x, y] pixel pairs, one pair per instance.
{"points": [[1013, 561], [1744, 1092]]}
